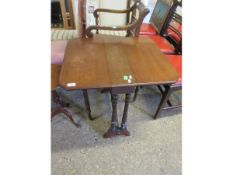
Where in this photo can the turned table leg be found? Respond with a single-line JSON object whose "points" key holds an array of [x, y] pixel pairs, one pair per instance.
{"points": [[136, 93], [113, 130], [123, 129]]}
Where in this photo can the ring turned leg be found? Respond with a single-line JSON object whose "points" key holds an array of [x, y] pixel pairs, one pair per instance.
{"points": [[123, 129], [113, 131]]}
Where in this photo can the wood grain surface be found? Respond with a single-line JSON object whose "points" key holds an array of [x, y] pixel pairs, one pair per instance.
{"points": [[55, 73], [102, 61]]}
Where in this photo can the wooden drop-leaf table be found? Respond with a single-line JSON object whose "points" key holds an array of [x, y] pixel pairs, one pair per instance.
{"points": [[117, 63]]}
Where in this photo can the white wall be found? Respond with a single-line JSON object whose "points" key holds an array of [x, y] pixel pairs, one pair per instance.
{"points": [[113, 19], [75, 12], [149, 4], [179, 10]]}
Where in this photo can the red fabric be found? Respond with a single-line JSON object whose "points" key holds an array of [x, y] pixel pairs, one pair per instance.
{"points": [[176, 61], [58, 51], [162, 44], [176, 25], [147, 29], [171, 33]]}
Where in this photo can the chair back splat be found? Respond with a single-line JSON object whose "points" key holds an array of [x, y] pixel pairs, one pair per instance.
{"points": [[168, 24], [135, 16], [160, 14], [172, 29], [174, 33]]}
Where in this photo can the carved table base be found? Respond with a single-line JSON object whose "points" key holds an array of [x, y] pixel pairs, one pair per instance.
{"points": [[60, 108], [115, 130]]}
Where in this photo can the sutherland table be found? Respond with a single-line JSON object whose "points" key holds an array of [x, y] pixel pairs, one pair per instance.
{"points": [[117, 63]]}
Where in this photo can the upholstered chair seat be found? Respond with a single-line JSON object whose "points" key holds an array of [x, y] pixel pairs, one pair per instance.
{"points": [[162, 44], [147, 29]]}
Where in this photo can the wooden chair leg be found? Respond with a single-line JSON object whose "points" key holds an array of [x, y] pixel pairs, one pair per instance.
{"points": [[162, 91], [164, 99]]}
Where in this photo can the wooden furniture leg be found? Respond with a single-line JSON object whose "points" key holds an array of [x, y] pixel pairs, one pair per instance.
{"points": [[60, 108], [123, 129], [169, 89], [173, 87], [66, 113], [164, 99], [105, 90], [136, 93], [87, 105], [58, 100], [113, 130]]}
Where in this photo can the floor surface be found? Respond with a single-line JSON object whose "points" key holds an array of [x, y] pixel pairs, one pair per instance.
{"points": [[154, 147]]}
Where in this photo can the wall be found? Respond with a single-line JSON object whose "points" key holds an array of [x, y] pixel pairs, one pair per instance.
{"points": [[75, 12], [113, 19], [149, 4]]}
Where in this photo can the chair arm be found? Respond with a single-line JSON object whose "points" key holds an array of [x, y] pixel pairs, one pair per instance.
{"points": [[114, 11], [109, 11], [114, 28]]}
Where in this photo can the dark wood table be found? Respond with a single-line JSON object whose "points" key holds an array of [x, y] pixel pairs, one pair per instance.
{"points": [[117, 63], [55, 72]]}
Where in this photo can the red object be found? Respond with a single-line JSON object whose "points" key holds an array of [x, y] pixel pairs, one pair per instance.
{"points": [[172, 34], [147, 29], [176, 61], [162, 44], [176, 25]]}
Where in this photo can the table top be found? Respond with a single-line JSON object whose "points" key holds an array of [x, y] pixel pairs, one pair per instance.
{"points": [[55, 72], [109, 61]]}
